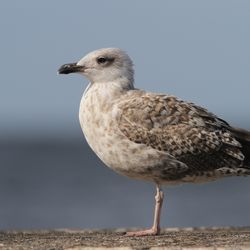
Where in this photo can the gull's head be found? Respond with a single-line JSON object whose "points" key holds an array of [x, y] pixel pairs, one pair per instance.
{"points": [[103, 65]]}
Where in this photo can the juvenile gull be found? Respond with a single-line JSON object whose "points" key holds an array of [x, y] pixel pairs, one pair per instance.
{"points": [[153, 137]]}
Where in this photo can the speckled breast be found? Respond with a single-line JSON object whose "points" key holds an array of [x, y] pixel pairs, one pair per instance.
{"points": [[98, 123]]}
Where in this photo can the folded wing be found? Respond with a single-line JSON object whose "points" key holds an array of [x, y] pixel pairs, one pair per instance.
{"points": [[188, 132]]}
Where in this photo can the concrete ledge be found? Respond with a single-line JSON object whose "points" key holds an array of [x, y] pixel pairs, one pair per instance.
{"points": [[173, 238]]}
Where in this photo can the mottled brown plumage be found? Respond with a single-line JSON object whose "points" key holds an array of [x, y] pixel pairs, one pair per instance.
{"points": [[191, 134]]}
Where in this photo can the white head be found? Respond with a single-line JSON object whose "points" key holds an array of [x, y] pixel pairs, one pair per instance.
{"points": [[103, 66]]}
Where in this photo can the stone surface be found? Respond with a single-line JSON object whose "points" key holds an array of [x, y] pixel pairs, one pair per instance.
{"points": [[174, 239]]}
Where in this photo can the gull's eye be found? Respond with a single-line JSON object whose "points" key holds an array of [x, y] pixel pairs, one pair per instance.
{"points": [[101, 60]]}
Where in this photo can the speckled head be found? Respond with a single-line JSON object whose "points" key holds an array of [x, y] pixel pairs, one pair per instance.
{"points": [[103, 65]]}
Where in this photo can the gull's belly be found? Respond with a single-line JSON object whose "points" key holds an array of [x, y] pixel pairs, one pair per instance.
{"points": [[113, 148], [108, 144]]}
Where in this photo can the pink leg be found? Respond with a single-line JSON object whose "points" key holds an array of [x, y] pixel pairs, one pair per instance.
{"points": [[155, 229]]}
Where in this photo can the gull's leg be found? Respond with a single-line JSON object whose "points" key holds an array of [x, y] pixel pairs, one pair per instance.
{"points": [[156, 225]]}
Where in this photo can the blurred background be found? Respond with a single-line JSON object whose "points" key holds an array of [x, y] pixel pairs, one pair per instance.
{"points": [[49, 178]]}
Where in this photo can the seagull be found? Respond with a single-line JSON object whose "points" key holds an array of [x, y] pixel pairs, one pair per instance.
{"points": [[154, 137]]}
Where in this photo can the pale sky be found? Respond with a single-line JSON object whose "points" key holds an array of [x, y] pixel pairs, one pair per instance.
{"points": [[197, 50]]}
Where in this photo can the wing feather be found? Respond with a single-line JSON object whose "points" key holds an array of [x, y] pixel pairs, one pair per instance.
{"points": [[188, 132]]}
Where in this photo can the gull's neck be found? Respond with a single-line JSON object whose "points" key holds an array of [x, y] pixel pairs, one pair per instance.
{"points": [[123, 84], [110, 89]]}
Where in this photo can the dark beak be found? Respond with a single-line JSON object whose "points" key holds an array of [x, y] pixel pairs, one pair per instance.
{"points": [[70, 68]]}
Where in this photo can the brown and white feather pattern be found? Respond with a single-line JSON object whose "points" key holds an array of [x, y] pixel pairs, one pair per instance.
{"points": [[189, 133], [150, 136]]}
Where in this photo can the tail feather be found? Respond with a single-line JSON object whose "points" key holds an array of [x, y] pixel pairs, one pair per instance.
{"points": [[243, 136]]}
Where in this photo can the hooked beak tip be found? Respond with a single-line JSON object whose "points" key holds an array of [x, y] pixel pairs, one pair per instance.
{"points": [[70, 68]]}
